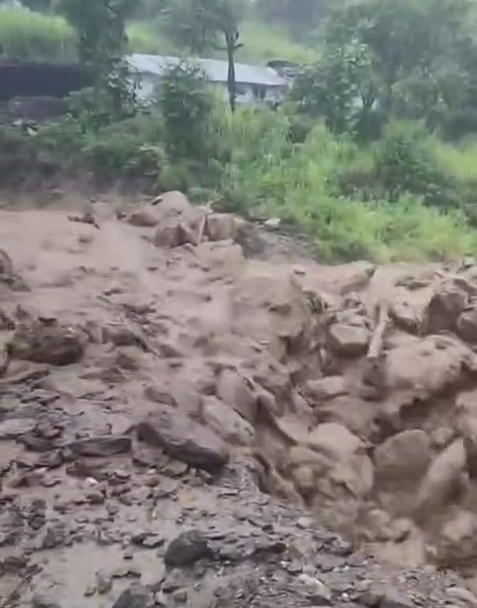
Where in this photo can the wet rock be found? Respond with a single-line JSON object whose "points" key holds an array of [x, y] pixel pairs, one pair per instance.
{"points": [[444, 308], [184, 439], [235, 391], [101, 447], [221, 226], [456, 544], [14, 427], [172, 204], [419, 369], [327, 388], [187, 549], [348, 340], [442, 479], [357, 415], [146, 217], [172, 233], [149, 540], [53, 344], [227, 423], [104, 583], [406, 455], [135, 597], [467, 325], [406, 316]]}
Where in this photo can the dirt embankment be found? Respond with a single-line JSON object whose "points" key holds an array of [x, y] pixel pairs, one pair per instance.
{"points": [[160, 363]]}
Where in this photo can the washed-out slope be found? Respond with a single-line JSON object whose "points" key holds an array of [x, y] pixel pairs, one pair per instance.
{"points": [[172, 373]]}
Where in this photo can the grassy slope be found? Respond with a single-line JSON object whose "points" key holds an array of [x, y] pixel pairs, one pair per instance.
{"points": [[261, 44], [28, 35]]}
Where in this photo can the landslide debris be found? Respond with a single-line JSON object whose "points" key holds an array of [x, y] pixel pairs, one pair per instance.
{"points": [[162, 372]]}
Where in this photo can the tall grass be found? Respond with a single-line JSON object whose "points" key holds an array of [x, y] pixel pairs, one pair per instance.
{"points": [[28, 35]]}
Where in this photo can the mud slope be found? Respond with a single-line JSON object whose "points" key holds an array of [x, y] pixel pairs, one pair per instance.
{"points": [[186, 405]]}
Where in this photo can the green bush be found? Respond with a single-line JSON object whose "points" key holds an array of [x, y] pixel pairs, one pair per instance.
{"points": [[128, 148]]}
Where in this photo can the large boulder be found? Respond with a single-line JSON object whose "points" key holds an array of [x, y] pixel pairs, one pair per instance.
{"points": [[178, 222], [227, 423], [456, 544], [466, 427], [47, 341], [221, 227], [237, 392], [333, 473], [442, 480], [268, 305], [467, 324], [183, 438], [417, 370], [445, 307], [405, 456], [348, 340]]}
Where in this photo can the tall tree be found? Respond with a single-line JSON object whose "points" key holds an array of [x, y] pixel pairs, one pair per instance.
{"points": [[300, 17], [208, 24], [102, 44]]}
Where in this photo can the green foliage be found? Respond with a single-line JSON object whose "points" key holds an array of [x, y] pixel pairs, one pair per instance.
{"points": [[102, 43], [300, 17], [28, 35], [204, 24], [412, 59], [186, 105], [341, 87]]}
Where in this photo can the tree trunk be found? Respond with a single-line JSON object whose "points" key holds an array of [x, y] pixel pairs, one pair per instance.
{"points": [[230, 44]]}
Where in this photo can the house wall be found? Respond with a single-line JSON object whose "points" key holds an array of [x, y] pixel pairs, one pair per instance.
{"points": [[246, 93], [40, 80]]}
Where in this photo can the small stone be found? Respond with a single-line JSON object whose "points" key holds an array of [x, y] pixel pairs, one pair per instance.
{"points": [[90, 591], [318, 592], [180, 596], [304, 522], [104, 583]]}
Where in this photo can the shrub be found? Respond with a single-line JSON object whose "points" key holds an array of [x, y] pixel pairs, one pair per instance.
{"points": [[128, 148]]}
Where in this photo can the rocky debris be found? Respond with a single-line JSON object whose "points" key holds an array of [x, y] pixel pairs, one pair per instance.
{"points": [[183, 438], [143, 404]]}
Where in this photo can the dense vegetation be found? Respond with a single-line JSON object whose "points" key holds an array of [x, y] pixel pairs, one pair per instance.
{"points": [[372, 153]]}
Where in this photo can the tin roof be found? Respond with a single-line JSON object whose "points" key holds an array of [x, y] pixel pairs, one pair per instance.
{"points": [[215, 70]]}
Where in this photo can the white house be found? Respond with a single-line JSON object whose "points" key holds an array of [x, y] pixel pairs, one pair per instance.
{"points": [[254, 83]]}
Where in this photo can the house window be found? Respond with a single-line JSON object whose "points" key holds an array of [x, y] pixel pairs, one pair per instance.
{"points": [[259, 91], [240, 90]]}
